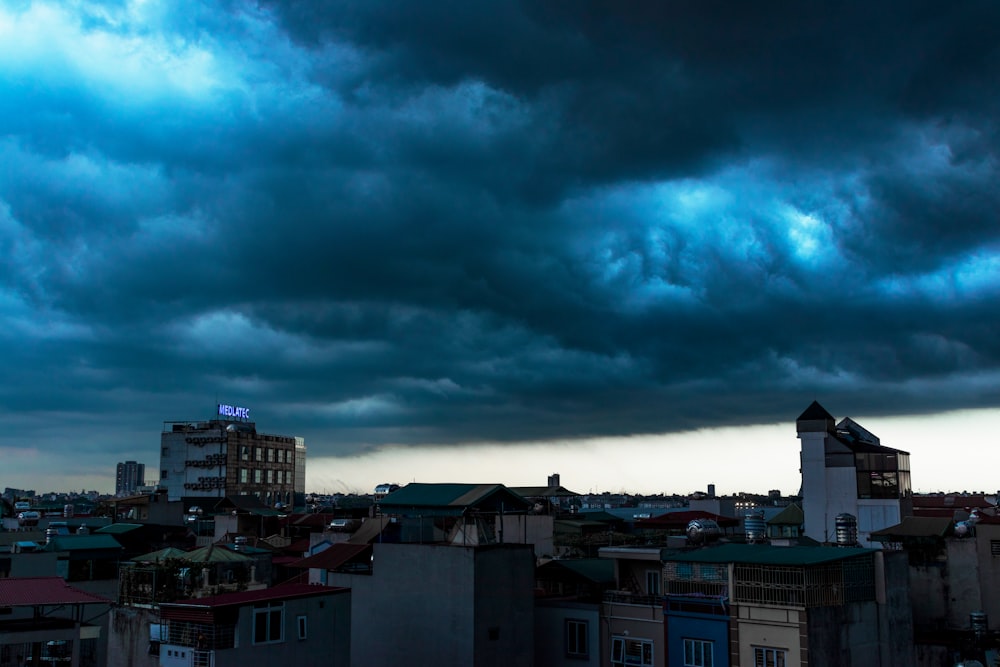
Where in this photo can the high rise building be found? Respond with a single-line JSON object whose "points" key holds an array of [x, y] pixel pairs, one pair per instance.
{"points": [[227, 456], [299, 491], [129, 476], [846, 470]]}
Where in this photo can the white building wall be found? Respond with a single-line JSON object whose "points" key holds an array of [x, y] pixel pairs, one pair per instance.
{"points": [[178, 448]]}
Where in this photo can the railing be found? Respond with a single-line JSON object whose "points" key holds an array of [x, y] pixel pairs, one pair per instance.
{"points": [[627, 597], [203, 659]]}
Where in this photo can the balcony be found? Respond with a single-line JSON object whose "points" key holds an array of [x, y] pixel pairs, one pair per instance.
{"points": [[628, 597]]}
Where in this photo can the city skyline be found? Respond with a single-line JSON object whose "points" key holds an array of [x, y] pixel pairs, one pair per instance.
{"points": [[730, 459], [455, 231]]}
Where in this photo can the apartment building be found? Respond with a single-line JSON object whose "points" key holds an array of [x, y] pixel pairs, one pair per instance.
{"points": [[204, 461]]}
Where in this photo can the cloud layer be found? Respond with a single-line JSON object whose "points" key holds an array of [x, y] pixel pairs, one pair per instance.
{"points": [[387, 222]]}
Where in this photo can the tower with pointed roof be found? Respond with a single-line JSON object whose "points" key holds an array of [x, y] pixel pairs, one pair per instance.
{"points": [[846, 469]]}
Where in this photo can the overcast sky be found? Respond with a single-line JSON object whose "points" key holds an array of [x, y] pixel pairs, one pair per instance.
{"points": [[438, 224]]}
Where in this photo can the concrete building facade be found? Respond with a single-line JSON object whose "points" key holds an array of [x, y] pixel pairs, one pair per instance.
{"points": [[846, 470], [205, 460]]}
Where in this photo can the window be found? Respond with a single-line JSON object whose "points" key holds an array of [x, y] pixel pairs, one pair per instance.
{"points": [[995, 547], [653, 578], [768, 657], [301, 624], [257, 475], [258, 454], [165, 451], [270, 455], [244, 453], [627, 651], [576, 639], [244, 475], [267, 623], [697, 653], [163, 474], [270, 476]]}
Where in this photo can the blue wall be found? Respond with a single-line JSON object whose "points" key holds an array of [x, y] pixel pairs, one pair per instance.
{"points": [[704, 627]]}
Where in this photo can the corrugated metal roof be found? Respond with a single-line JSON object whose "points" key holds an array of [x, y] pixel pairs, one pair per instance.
{"points": [[369, 530], [682, 519], [162, 554], [334, 556], [764, 554], [596, 570], [34, 591], [282, 592], [215, 554], [790, 516], [543, 491], [451, 498], [914, 527], [118, 528], [83, 543]]}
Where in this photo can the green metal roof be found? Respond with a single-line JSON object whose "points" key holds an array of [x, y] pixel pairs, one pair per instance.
{"points": [[452, 499], [597, 570], [764, 554], [82, 543], [790, 516], [118, 528], [162, 554]]}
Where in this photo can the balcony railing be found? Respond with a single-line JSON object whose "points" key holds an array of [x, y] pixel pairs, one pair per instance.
{"points": [[628, 597]]}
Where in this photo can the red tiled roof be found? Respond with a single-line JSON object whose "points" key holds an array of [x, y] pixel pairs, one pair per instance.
{"points": [[950, 501], [334, 556], [282, 592], [34, 591]]}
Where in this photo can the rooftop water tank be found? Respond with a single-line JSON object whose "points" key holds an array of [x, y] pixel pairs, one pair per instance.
{"points": [[700, 531], [755, 527], [979, 623], [847, 530]]}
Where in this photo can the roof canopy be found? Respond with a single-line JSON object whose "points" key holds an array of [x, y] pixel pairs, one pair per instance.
{"points": [[43, 591], [452, 500]]}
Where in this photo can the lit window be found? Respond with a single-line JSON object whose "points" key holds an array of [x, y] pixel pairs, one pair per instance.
{"points": [[270, 476], [697, 653], [257, 475], [576, 639], [258, 454], [244, 475]]}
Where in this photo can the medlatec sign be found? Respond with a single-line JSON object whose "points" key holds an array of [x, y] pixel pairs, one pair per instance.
{"points": [[233, 411]]}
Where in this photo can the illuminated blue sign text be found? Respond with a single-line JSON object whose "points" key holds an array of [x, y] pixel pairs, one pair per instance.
{"points": [[234, 411]]}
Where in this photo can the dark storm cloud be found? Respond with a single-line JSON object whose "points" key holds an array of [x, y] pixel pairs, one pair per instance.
{"points": [[385, 222]]}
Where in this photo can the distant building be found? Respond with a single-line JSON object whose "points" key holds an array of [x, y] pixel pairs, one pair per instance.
{"points": [[846, 470], [129, 476], [227, 456]]}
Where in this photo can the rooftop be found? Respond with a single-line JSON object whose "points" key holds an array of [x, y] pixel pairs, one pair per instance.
{"points": [[39, 591], [282, 592], [764, 554]]}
